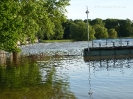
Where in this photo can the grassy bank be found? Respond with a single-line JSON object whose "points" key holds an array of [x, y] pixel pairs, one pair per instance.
{"points": [[51, 41]]}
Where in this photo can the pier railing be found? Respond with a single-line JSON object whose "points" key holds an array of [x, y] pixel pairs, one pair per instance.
{"points": [[110, 43]]}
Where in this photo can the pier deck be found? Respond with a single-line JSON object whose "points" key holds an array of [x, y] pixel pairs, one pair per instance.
{"points": [[108, 52]]}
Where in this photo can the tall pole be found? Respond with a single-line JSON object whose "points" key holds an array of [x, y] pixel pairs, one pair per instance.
{"points": [[87, 12]]}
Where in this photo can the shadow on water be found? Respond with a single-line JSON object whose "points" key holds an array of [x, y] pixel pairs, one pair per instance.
{"points": [[32, 78]]}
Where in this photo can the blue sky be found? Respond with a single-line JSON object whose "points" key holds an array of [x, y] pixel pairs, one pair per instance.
{"points": [[116, 9]]}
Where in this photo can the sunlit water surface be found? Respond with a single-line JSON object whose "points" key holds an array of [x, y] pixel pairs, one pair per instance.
{"points": [[65, 75]]}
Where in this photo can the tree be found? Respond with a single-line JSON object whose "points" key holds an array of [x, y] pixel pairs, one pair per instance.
{"points": [[22, 20], [91, 33], [56, 16], [30, 18], [10, 25], [66, 25], [125, 28], [100, 32], [111, 23], [78, 31], [75, 32], [97, 21], [112, 33]]}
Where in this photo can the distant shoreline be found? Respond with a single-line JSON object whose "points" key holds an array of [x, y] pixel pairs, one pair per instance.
{"points": [[52, 41]]}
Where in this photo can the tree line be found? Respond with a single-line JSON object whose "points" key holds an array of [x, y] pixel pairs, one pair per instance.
{"points": [[98, 29]]}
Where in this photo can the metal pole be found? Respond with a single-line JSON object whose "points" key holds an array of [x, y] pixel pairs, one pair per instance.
{"points": [[87, 12]]}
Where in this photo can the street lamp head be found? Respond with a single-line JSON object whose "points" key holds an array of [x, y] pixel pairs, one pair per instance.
{"points": [[87, 12]]}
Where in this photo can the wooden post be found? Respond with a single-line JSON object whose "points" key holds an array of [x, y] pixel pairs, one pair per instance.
{"points": [[2, 57], [127, 43], [15, 57], [106, 42], [113, 44], [99, 44]]}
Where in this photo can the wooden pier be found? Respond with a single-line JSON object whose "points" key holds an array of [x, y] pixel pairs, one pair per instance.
{"points": [[108, 51]]}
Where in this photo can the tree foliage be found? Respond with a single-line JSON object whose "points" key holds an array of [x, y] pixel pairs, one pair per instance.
{"points": [[111, 28], [100, 32], [97, 21], [125, 28], [91, 33], [10, 25], [66, 25], [78, 31], [112, 33], [22, 20]]}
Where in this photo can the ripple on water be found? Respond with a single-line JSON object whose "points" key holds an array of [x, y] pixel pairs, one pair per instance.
{"points": [[101, 81], [91, 80]]}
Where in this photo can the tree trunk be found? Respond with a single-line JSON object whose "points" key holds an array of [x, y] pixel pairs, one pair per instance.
{"points": [[15, 57], [2, 57]]}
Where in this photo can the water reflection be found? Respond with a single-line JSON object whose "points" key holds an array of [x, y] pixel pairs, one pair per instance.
{"points": [[112, 63], [90, 91], [66, 77], [58, 71], [110, 79], [32, 80]]}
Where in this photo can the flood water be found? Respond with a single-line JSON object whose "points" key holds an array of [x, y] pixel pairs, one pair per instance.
{"points": [[62, 73]]}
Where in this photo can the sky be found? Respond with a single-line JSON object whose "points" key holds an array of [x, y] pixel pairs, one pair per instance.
{"points": [[115, 9]]}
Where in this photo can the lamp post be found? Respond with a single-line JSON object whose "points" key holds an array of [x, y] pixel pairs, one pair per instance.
{"points": [[87, 12]]}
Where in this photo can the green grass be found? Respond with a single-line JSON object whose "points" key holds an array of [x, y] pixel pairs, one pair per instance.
{"points": [[52, 41]]}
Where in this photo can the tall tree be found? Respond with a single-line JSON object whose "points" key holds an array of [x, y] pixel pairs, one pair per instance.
{"points": [[10, 25], [56, 13], [100, 32], [25, 19], [112, 33], [125, 28], [91, 33], [66, 25], [111, 23], [97, 21], [78, 31]]}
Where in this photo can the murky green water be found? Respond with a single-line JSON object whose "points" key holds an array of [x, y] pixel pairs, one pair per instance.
{"points": [[30, 79], [63, 74]]}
